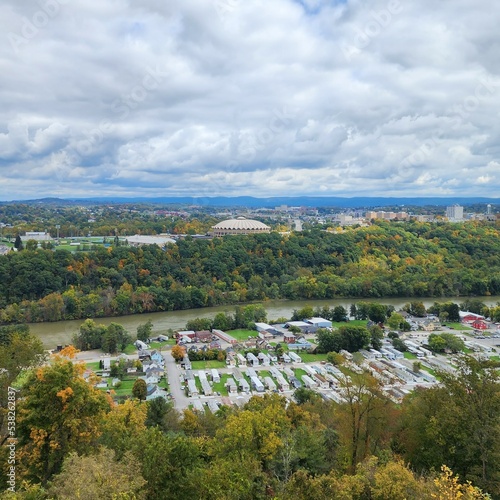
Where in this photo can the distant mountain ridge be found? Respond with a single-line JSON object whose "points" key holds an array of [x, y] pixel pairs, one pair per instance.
{"points": [[271, 202]]}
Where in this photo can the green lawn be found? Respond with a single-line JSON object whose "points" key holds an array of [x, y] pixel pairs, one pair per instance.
{"points": [[93, 366], [495, 358], [429, 370], [203, 365], [458, 326], [311, 358], [299, 373], [125, 388], [162, 345], [354, 322], [409, 355], [221, 386], [130, 349], [242, 334]]}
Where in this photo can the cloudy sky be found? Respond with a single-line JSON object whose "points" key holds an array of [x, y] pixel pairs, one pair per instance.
{"points": [[249, 97]]}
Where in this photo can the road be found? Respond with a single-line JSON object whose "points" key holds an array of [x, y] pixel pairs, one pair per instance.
{"points": [[174, 373]]}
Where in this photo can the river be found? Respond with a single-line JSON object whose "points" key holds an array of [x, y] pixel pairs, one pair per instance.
{"points": [[61, 332]]}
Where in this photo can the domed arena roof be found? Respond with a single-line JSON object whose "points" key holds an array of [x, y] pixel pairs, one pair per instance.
{"points": [[241, 224]]}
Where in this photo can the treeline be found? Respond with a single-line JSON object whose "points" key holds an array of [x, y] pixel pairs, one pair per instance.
{"points": [[384, 260], [74, 442], [112, 338]]}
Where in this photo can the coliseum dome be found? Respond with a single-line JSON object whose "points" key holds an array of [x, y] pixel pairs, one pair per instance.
{"points": [[241, 225]]}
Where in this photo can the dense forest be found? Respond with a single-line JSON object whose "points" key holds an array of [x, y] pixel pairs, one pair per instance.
{"points": [[72, 441], [383, 260]]}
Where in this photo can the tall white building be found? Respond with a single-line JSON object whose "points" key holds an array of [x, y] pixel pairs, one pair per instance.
{"points": [[455, 213]]}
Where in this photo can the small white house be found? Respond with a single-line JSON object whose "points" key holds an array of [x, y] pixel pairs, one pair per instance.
{"points": [[295, 357], [269, 382], [191, 388], [309, 382], [252, 360], [244, 385], [257, 385], [207, 388], [232, 388], [282, 383], [264, 359], [215, 376]]}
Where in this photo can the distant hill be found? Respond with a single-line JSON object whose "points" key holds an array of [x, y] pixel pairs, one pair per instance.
{"points": [[252, 202]]}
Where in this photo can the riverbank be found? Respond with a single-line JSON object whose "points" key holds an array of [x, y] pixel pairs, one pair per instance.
{"points": [[61, 332]]}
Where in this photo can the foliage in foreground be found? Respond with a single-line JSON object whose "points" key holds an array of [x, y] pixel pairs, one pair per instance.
{"points": [[72, 438]]}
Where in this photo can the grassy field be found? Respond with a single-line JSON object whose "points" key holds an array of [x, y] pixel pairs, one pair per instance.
{"points": [[311, 358], [409, 355], [299, 372], [458, 326], [130, 349], [221, 386], [354, 322], [162, 345], [203, 365], [242, 334], [125, 388], [93, 366]]}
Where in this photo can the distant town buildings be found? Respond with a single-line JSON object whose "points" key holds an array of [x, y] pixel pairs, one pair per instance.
{"points": [[37, 236], [387, 215], [455, 213], [140, 239]]}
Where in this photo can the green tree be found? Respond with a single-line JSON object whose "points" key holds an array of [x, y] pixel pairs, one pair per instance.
{"points": [[445, 341], [354, 338], [415, 308], [475, 306], [144, 331], [170, 464], [399, 344], [376, 336], [199, 324], [115, 338], [457, 424], [328, 341], [19, 351], [377, 312], [139, 389], [339, 314], [304, 313], [162, 414], [223, 321], [363, 419], [303, 395], [31, 245], [395, 321], [18, 244]]}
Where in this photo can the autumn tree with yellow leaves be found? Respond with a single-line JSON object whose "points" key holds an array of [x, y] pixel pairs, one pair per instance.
{"points": [[58, 414]]}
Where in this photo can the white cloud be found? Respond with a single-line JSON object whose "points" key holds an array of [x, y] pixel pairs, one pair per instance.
{"points": [[257, 98]]}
